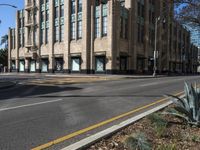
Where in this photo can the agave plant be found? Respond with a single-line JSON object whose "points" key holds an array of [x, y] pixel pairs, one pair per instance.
{"points": [[188, 107], [138, 142]]}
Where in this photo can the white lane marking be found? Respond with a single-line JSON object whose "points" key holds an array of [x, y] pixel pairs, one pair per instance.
{"points": [[155, 83], [148, 84], [29, 105]]}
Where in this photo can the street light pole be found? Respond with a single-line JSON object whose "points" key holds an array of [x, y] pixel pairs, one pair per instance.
{"points": [[8, 5], [155, 50]]}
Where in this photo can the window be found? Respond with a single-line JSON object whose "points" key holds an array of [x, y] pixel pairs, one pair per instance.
{"points": [[56, 12], [62, 33], [75, 64], [97, 27], [47, 15], [138, 33], [35, 35], [57, 34], [47, 35], [79, 5], [62, 11], [58, 64], [104, 19], [126, 28], [45, 64], [20, 40], [42, 36], [73, 6], [73, 31], [42, 16], [105, 26], [100, 63], [121, 27], [79, 29]]}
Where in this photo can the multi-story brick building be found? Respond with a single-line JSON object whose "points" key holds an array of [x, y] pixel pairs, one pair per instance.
{"points": [[96, 36]]}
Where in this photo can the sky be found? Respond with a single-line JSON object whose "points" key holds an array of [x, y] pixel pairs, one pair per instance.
{"points": [[8, 15]]}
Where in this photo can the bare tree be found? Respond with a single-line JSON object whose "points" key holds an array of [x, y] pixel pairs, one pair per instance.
{"points": [[188, 11]]}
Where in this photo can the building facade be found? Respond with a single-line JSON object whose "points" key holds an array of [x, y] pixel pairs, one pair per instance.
{"points": [[98, 36]]}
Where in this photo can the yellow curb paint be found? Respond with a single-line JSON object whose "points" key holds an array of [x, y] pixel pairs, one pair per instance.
{"points": [[74, 134]]}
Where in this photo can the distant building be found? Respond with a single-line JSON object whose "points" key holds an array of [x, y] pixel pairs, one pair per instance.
{"points": [[98, 36]]}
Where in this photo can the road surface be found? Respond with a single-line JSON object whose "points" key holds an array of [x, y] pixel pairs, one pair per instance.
{"points": [[33, 115]]}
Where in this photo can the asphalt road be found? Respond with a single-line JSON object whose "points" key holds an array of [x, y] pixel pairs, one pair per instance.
{"points": [[33, 115]]}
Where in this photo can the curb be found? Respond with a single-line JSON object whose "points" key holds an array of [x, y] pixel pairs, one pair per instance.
{"points": [[84, 143], [10, 84]]}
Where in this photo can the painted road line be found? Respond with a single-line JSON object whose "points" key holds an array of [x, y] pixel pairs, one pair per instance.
{"points": [[88, 141], [74, 134], [29, 105]]}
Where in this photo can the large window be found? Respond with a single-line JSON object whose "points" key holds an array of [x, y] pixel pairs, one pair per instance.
{"points": [[62, 11], [97, 27], [47, 15], [47, 35], [42, 16], [56, 12], [104, 19], [73, 6], [62, 33], [73, 31], [58, 64], [79, 5], [45, 64], [97, 21], [57, 34], [100, 63], [21, 65], [32, 66], [79, 29], [42, 36], [105, 26], [75, 62]]}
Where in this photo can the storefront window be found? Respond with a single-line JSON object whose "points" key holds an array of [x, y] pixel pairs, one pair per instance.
{"points": [[21, 65], [44, 65], [123, 63], [13, 65], [59, 64], [100, 64], [76, 64], [32, 66]]}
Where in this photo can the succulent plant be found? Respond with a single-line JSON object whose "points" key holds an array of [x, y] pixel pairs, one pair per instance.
{"points": [[138, 142], [188, 107]]}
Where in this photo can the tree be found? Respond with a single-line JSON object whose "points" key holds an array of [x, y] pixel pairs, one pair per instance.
{"points": [[4, 57], [4, 40], [4, 52], [188, 11]]}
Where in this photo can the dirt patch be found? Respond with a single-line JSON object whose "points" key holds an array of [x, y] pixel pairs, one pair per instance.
{"points": [[177, 136]]}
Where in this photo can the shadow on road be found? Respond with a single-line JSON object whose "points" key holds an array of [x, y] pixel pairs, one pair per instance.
{"points": [[32, 90]]}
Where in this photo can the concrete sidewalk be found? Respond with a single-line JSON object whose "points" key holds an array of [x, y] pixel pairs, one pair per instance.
{"points": [[62, 75]]}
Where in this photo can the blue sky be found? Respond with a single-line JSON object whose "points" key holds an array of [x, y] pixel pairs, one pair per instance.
{"points": [[8, 14]]}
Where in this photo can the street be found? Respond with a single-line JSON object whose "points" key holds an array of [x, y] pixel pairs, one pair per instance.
{"points": [[33, 115]]}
